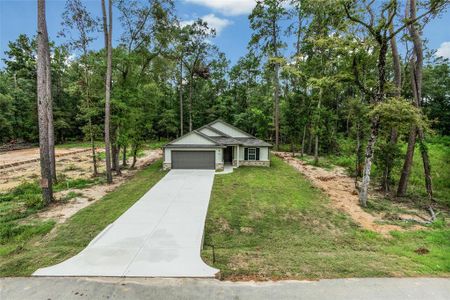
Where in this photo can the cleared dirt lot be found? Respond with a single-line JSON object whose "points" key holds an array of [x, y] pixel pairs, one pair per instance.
{"points": [[71, 163], [23, 165]]}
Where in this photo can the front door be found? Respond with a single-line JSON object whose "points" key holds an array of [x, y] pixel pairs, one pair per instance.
{"points": [[228, 154]]}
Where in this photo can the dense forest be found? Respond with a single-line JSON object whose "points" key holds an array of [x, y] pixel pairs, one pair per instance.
{"points": [[319, 78]]}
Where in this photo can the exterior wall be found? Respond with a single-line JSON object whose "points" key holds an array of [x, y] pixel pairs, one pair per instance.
{"points": [[228, 130], [193, 139], [209, 132], [257, 163], [263, 153], [264, 159], [167, 164]]}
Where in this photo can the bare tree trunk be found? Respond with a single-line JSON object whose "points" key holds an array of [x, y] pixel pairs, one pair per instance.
{"points": [[364, 189], [310, 137], [135, 148], [94, 155], [370, 149], [51, 131], [416, 83], [358, 154], [124, 156], [276, 99], [404, 176], [190, 102], [303, 141], [88, 103], [316, 131], [43, 102], [180, 88], [107, 28]]}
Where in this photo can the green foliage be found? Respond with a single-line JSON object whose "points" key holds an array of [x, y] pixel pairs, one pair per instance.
{"points": [[398, 113]]}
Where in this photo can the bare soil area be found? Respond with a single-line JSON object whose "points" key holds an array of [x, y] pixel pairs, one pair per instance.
{"points": [[61, 211], [23, 165], [72, 163], [340, 188]]}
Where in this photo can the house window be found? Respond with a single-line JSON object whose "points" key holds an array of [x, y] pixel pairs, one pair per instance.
{"points": [[251, 153]]}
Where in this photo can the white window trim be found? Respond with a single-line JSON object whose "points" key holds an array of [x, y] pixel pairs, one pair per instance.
{"points": [[253, 154]]}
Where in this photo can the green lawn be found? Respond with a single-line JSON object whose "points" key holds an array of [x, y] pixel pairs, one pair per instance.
{"points": [[270, 223], [27, 247]]}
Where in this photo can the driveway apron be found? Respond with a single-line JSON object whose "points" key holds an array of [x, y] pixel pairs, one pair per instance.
{"points": [[159, 236]]}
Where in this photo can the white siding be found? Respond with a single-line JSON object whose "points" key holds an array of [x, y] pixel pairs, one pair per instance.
{"points": [[209, 132], [193, 139], [229, 130], [168, 153], [263, 153]]}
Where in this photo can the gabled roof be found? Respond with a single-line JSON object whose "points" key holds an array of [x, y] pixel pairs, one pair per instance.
{"points": [[222, 140], [207, 126], [229, 125], [204, 136]]}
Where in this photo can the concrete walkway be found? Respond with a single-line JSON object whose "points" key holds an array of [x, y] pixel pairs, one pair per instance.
{"points": [[159, 236], [158, 288]]}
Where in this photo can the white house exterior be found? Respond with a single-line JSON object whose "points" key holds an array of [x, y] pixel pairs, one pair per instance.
{"points": [[214, 145]]}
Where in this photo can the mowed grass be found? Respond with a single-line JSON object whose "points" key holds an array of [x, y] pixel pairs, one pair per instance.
{"points": [[37, 246], [271, 223]]}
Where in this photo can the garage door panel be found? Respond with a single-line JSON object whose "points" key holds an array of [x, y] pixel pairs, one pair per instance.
{"points": [[193, 160]]}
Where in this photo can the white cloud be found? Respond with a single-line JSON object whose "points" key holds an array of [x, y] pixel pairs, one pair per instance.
{"points": [[213, 22], [228, 7], [444, 50]]}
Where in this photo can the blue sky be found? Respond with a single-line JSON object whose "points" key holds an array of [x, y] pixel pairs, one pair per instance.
{"points": [[230, 17]]}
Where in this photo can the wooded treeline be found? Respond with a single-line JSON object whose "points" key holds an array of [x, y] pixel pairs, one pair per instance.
{"points": [[314, 72]]}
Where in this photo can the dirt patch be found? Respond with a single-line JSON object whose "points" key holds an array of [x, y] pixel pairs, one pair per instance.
{"points": [[23, 165], [61, 211], [341, 190]]}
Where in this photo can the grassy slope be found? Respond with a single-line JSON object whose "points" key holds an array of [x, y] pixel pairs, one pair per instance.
{"points": [[271, 223], [22, 255]]}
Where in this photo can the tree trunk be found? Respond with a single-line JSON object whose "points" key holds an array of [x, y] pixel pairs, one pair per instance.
{"points": [[358, 153], [407, 164], [310, 137], [124, 156], [43, 102], [180, 88], [276, 99], [135, 148], [94, 155], [88, 104], [316, 131], [116, 160], [426, 164], [370, 149], [364, 189], [416, 84], [303, 141], [51, 131], [107, 29], [190, 102]]}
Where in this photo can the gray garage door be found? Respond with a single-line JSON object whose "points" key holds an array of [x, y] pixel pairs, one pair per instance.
{"points": [[193, 160]]}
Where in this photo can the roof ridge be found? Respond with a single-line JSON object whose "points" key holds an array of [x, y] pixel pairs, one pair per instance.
{"points": [[214, 129], [232, 126], [206, 137]]}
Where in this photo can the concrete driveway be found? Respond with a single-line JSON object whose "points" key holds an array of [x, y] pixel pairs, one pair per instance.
{"points": [[159, 236]]}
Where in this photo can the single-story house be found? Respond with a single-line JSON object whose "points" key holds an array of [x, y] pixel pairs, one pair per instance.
{"points": [[213, 145]]}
